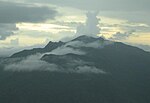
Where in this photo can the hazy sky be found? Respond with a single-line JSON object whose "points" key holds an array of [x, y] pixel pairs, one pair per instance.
{"points": [[32, 22]]}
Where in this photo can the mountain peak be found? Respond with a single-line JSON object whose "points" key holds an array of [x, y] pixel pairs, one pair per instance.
{"points": [[87, 39], [53, 44]]}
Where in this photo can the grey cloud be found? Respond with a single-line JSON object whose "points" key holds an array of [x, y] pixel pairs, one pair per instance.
{"points": [[132, 16], [127, 26], [19, 12], [105, 5], [7, 30], [12, 13], [132, 10], [135, 26], [122, 36]]}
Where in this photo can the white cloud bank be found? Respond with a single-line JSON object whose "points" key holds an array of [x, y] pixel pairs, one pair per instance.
{"points": [[88, 69], [95, 44], [66, 50], [33, 63]]}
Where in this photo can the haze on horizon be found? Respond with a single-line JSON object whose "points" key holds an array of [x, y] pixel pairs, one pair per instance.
{"points": [[25, 23]]}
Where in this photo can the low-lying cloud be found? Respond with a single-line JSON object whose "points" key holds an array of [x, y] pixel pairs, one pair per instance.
{"points": [[66, 50], [95, 44], [33, 63], [70, 47], [89, 69]]}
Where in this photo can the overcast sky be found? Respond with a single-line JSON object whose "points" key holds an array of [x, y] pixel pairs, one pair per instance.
{"points": [[34, 22]]}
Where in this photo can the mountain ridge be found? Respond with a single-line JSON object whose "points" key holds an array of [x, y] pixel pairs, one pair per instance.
{"points": [[49, 47]]}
